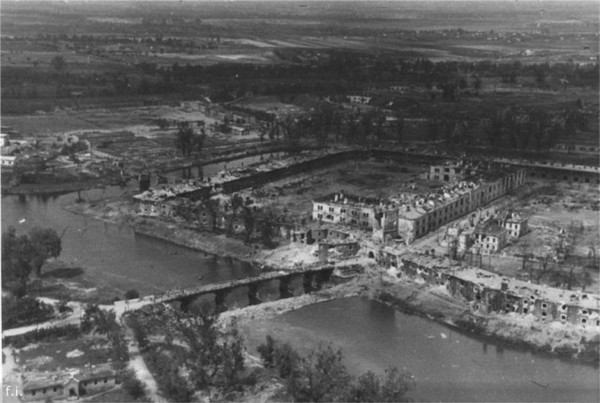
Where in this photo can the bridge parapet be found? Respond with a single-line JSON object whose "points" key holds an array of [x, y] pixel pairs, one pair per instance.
{"points": [[313, 279]]}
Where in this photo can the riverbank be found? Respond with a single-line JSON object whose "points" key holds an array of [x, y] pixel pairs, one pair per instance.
{"points": [[573, 341], [566, 340], [554, 339], [58, 188], [119, 213]]}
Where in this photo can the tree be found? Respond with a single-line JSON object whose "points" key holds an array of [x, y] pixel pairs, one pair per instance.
{"points": [[249, 223], [199, 140], [267, 351], [95, 318], [184, 138], [394, 387], [45, 244], [236, 203], [132, 294], [132, 385], [212, 207], [16, 265], [320, 377], [267, 233]]}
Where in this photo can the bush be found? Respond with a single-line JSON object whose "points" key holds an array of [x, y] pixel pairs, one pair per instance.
{"points": [[68, 332], [132, 294], [267, 352], [63, 307], [24, 311], [98, 319], [133, 386], [321, 376]]}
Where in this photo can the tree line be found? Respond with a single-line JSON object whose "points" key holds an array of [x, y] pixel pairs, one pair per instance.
{"points": [[320, 376], [23, 255]]}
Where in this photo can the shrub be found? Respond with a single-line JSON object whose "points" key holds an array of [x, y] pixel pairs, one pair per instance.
{"points": [[321, 376], [24, 311], [267, 352], [132, 385], [132, 294], [48, 334]]}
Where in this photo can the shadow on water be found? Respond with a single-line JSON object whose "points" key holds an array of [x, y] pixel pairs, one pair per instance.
{"points": [[448, 365]]}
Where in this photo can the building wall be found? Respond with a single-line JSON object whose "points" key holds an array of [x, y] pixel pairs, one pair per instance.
{"points": [[516, 229], [358, 216], [485, 300], [490, 243], [442, 214], [547, 173], [54, 391], [95, 385]]}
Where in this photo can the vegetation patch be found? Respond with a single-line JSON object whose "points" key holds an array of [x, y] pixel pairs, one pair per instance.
{"points": [[18, 312], [320, 376]]}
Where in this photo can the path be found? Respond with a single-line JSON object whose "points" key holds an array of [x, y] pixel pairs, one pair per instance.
{"points": [[138, 365], [74, 318]]}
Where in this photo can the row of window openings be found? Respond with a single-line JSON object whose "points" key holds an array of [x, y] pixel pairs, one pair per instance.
{"points": [[575, 178], [83, 383], [332, 210]]}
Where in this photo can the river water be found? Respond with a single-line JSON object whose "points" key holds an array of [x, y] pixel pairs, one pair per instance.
{"points": [[113, 254], [448, 366]]}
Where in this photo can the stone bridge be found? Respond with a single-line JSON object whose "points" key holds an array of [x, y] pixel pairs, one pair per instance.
{"points": [[313, 279]]}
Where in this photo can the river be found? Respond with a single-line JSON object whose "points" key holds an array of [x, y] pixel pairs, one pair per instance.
{"points": [[113, 254], [448, 365]]}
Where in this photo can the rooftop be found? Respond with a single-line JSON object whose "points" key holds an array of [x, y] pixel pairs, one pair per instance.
{"points": [[489, 228], [527, 290], [172, 190]]}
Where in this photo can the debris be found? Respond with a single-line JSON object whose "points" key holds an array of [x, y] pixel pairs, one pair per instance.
{"points": [[75, 353]]}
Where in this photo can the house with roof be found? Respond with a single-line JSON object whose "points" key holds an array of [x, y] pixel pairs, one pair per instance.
{"points": [[69, 385]]}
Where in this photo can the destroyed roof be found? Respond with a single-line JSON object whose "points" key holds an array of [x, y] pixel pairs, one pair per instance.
{"points": [[354, 200], [489, 228], [167, 191], [527, 290], [172, 190], [510, 216], [417, 205], [337, 242]]}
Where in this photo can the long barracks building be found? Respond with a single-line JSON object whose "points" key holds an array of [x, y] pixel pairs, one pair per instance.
{"points": [[410, 216]]}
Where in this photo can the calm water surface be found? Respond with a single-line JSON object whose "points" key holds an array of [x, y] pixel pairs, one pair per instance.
{"points": [[114, 254], [448, 365]]}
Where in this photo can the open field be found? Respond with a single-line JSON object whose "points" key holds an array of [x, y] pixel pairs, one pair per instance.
{"points": [[65, 354]]}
